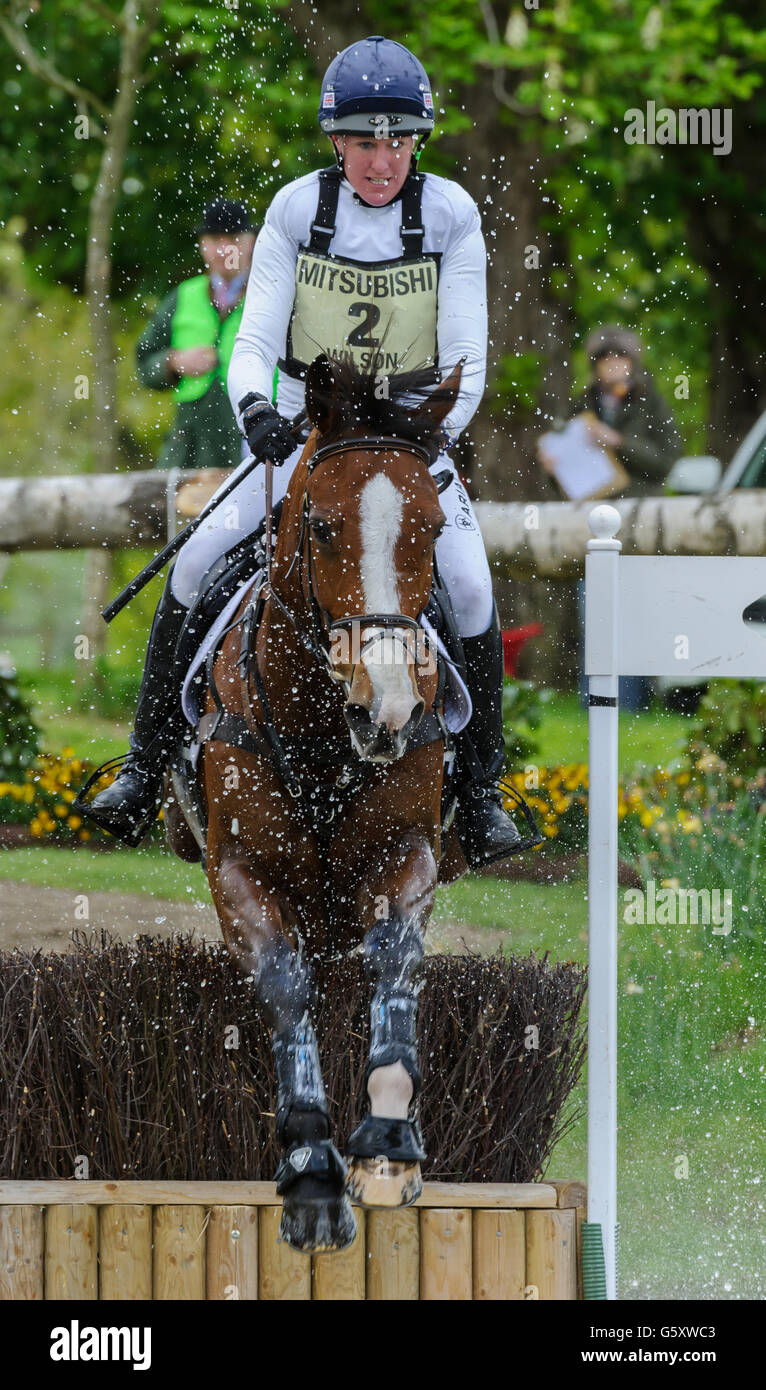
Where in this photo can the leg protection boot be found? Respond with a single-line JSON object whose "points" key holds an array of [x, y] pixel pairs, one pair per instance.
{"points": [[129, 806], [484, 828]]}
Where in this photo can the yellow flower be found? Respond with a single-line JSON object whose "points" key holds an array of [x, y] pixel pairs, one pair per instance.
{"points": [[710, 762], [74, 822]]}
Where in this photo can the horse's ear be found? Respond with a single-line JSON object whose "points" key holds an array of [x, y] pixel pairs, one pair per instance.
{"points": [[322, 398], [439, 402]]}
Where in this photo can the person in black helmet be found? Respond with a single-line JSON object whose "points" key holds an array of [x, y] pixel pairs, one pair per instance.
{"points": [[373, 259], [187, 346]]}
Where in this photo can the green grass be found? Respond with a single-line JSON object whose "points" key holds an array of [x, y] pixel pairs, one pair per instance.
{"points": [[700, 1236], [153, 871], [648, 738]]}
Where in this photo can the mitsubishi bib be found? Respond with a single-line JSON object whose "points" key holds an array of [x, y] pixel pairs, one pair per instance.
{"points": [[381, 314]]}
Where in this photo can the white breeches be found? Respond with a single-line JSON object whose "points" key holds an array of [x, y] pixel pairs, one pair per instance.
{"points": [[460, 550]]}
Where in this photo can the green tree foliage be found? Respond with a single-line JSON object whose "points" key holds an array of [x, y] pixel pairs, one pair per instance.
{"points": [[226, 110], [19, 735], [665, 238]]}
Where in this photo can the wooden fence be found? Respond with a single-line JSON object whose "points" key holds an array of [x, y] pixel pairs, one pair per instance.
{"points": [[525, 539], [206, 1240]]}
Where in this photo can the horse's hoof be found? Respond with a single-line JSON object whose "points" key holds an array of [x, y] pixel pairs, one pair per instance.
{"points": [[383, 1182], [317, 1224]]}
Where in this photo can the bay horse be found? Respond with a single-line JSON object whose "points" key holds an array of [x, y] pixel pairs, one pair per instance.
{"points": [[327, 705]]}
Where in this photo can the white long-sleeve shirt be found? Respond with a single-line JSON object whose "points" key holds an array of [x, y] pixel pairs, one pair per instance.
{"points": [[452, 228]]}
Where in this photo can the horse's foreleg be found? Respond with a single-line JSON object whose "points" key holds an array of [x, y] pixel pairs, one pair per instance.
{"points": [[316, 1213], [386, 1149]]}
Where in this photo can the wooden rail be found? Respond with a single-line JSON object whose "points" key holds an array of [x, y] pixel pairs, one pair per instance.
{"points": [[129, 1240], [525, 539]]}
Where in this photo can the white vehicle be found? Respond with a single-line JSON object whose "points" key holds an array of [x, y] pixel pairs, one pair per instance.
{"points": [[706, 474]]}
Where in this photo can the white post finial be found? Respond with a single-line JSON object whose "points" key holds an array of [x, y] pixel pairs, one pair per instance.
{"points": [[604, 522]]}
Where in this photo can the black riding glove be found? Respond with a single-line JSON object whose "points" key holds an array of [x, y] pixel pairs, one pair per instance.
{"points": [[267, 433]]}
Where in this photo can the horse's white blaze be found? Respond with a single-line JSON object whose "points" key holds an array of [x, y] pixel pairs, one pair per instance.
{"points": [[381, 510]]}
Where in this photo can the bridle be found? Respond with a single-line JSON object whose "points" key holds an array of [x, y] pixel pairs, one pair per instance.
{"points": [[322, 625]]}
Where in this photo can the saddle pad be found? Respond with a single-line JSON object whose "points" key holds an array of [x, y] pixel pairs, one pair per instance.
{"points": [[457, 701], [194, 681]]}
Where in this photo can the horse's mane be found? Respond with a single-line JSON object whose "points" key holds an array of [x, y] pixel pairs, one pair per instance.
{"points": [[351, 399]]}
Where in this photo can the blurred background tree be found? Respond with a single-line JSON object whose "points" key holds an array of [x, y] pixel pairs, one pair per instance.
{"points": [[531, 102]]}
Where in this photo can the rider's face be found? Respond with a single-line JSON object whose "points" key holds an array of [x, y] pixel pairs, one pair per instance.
{"points": [[376, 169]]}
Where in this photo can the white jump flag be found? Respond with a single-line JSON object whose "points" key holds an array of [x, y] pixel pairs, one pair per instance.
{"points": [[700, 616]]}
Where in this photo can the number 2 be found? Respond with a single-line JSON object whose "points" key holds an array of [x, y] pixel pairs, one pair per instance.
{"points": [[371, 315]]}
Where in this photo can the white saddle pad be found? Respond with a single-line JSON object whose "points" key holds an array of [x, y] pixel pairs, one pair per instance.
{"points": [[194, 682]]}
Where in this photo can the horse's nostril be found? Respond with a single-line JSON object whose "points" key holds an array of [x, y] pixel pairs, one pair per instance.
{"points": [[357, 718], [417, 715]]}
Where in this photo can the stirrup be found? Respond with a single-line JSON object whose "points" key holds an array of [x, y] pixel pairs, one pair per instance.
{"points": [[79, 804], [505, 788], [130, 829]]}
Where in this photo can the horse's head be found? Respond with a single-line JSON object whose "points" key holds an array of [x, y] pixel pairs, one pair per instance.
{"points": [[372, 518]]}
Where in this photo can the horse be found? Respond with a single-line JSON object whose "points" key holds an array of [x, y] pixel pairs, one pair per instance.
{"points": [[322, 781]]}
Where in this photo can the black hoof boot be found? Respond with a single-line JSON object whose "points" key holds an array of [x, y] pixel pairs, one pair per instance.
{"points": [[316, 1214], [384, 1162]]}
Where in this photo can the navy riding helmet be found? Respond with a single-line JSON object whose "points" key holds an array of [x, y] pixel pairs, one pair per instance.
{"points": [[376, 87]]}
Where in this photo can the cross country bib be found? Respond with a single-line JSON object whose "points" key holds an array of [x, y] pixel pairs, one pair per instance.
{"points": [[381, 314]]}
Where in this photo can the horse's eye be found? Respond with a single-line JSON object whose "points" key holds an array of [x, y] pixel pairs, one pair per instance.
{"points": [[439, 530], [321, 530]]}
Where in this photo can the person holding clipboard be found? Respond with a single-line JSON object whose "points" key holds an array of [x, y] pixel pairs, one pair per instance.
{"points": [[620, 441], [621, 417]]}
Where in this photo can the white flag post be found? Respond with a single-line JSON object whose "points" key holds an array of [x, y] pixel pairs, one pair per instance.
{"points": [[699, 616], [601, 618]]}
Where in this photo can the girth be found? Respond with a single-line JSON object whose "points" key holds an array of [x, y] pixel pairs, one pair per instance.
{"points": [[324, 800]]}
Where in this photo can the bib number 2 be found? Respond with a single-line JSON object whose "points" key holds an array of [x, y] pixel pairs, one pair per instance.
{"points": [[370, 315]]}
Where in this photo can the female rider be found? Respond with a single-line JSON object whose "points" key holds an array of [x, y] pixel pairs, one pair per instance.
{"points": [[370, 258]]}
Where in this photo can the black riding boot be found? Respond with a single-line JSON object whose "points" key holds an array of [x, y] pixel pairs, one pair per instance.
{"points": [[128, 807], [484, 828]]}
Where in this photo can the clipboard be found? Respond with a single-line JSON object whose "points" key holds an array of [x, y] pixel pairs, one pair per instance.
{"points": [[583, 468]]}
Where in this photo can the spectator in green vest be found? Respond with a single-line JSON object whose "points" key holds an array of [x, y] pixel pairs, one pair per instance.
{"points": [[187, 346]]}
